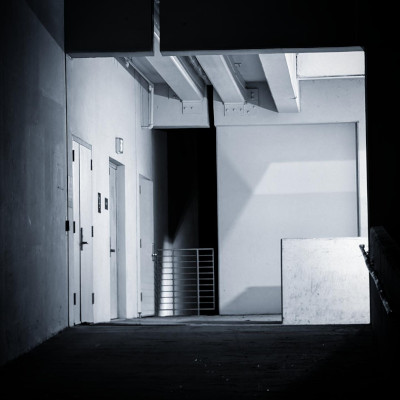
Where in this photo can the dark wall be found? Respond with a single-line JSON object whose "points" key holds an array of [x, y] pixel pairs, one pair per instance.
{"points": [[99, 27], [384, 255], [33, 175], [192, 197], [160, 179], [257, 24]]}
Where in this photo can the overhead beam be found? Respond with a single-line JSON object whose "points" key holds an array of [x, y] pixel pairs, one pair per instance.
{"points": [[100, 28], [226, 81], [172, 70], [280, 72]]}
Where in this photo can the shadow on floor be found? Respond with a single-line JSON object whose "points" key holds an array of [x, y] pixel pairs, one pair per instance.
{"points": [[197, 362]]}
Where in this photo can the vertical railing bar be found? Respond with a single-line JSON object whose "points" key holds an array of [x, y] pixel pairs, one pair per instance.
{"points": [[213, 270], [198, 283], [173, 283]]}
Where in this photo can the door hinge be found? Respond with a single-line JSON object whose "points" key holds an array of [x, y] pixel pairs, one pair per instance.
{"points": [[92, 231], [66, 226], [74, 299], [91, 165], [73, 155], [140, 189], [140, 243], [74, 228], [141, 296], [92, 298]]}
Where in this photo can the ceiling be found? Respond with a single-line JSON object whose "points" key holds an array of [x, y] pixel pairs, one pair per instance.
{"points": [[230, 74]]}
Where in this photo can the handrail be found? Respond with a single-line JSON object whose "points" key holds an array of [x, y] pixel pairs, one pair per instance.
{"points": [[375, 278]]}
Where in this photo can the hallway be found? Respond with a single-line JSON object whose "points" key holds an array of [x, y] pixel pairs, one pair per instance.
{"points": [[193, 361]]}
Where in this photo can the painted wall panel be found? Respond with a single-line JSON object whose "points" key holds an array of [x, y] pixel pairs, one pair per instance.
{"points": [[321, 101], [324, 281], [273, 182]]}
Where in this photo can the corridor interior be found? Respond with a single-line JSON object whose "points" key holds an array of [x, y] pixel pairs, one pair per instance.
{"points": [[134, 166]]}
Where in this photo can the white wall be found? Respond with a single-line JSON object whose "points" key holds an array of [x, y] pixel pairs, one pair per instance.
{"points": [[103, 103], [324, 281], [286, 175]]}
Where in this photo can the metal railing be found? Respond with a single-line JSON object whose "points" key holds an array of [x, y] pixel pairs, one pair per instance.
{"points": [[374, 276], [185, 281]]}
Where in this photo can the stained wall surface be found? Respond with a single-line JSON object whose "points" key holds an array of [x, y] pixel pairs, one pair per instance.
{"points": [[324, 281], [33, 175]]}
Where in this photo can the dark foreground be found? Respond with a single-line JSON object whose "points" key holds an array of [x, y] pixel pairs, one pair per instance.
{"points": [[198, 362]]}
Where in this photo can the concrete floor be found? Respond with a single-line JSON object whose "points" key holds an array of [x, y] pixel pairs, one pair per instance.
{"points": [[203, 320], [197, 361]]}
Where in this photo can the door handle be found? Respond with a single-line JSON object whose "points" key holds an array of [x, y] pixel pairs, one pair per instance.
{"points": [[82, 242], [112, 250]]}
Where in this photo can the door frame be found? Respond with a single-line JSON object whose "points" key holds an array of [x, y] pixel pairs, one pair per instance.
{"points": [[139, 281], [74, 230], [121, 239]]}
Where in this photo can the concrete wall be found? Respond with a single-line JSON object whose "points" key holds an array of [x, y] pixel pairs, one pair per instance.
{"points": [[33, 173], [280, 178], [324, 281], [104, 103]]}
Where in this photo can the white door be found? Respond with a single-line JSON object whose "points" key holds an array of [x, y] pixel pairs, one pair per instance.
{"points": [[112, 207], [82, 229], [146, 247]]}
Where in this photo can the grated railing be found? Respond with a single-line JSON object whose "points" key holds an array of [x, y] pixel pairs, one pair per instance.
{"points": [[185, 281]]}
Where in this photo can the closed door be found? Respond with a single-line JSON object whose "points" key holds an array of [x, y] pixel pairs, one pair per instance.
{"points": [[112, 205], [82, 228], [147, 297]]}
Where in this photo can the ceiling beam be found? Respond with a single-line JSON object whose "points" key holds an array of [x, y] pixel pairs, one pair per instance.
{"points": [[280, 72], [223, 76], [176, 75]]}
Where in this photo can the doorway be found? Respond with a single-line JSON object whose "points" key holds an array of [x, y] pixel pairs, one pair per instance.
{"points": [[113, 211], [146, 245], [83, 296]]}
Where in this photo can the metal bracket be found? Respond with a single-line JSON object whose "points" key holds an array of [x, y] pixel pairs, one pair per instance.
{"points": [[249, 107], [252, 96], [252, 102], [234, 109], [192, 107]]}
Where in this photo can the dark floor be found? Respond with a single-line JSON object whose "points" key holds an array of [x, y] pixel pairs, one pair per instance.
{"points": [[197, 362]]}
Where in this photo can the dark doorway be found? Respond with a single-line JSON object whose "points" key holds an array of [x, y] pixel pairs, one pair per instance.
{"points": [[192, 191]]}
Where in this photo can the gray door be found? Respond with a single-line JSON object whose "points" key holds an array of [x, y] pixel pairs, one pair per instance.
{"points": [[146, 246], [112, 206], [82, 228]]}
